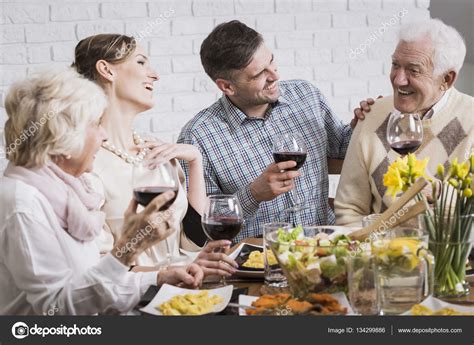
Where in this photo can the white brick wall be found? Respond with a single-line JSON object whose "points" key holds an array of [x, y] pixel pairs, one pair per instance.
{"points": [[311, 39]]}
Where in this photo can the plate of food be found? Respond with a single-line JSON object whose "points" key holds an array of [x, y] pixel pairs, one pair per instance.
{"points": [[284, 305], [174, 301], [250, 258], [432, 306]]}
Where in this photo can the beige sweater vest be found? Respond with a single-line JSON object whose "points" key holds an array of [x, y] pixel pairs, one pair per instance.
{"points": [[448, 134]]}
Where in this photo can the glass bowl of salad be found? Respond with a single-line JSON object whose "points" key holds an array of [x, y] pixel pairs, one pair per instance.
{"points": [[313, 257]]}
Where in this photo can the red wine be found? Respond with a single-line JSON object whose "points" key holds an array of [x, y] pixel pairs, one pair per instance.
{"points": [[406, 146], [222, 228], [144, 195], [298, 157]]}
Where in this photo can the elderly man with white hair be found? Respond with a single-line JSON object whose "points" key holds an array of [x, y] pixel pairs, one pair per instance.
{"points": [[425, 66]]}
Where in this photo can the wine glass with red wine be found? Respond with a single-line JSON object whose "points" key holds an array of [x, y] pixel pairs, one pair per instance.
{"points": [[291, 147], [404, 132], [222, 219], [150, 180]]}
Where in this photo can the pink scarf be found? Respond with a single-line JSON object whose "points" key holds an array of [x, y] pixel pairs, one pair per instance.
{"points": [[73, 200]]}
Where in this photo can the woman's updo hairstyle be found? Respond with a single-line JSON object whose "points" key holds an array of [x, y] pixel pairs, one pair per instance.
{"points": [[113, 48]]}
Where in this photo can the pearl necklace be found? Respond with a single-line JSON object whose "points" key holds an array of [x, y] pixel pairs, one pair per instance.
{"points": [[126, 156]]}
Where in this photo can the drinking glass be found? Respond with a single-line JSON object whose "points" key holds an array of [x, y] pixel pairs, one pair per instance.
{"points": [[150, 180], [222, 219], [363, 293], [273, 274], [404, 269], [404, 132], [291, 147]]}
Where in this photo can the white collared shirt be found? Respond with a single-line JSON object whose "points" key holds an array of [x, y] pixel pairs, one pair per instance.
{"points": [[438, 106], [45, 271]]}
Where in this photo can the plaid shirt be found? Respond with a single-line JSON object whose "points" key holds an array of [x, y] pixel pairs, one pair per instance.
{"points": [[237, 148]]}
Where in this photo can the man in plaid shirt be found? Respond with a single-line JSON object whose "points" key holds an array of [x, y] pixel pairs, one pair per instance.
{"points": [[235, 134]]}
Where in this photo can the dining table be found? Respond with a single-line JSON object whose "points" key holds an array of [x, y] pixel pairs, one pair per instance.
{"points": [[257, 287]]}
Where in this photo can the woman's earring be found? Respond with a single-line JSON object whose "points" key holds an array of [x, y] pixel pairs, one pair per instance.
{"points": [[67, 156]]}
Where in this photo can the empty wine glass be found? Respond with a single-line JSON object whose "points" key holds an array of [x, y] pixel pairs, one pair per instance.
{"points": [[222, 219], [291, 147], [150, 180], [404, 132]]}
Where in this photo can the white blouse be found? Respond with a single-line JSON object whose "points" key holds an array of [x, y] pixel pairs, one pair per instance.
{"points": [[112, 177], [43, 270]]}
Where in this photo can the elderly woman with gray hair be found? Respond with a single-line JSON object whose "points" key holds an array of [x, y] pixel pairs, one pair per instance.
{"points": [[50, 217]]}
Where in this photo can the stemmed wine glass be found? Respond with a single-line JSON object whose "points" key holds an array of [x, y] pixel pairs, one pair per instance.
{"points": [[291, 147], [404, 132], [222, 220], [150, 180]]}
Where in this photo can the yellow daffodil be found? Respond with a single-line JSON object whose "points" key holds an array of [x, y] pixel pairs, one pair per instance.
{"points": [[418, 168], [403, 173], [453, 182], [463, 170], [450, 257], [453, 169], [402, 165], [440, 171], [393, 181], [467, 193]]}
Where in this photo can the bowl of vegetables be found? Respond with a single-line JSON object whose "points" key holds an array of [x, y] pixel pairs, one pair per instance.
{"points": [[312, 257]]}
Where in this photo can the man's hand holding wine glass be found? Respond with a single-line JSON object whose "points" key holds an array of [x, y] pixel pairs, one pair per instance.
{"points": [[275, 180], [291, 147]]}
